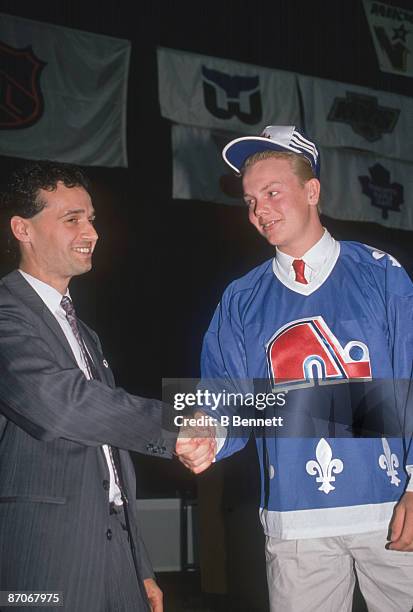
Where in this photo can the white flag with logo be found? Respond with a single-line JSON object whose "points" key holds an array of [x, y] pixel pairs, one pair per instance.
{"points": [[365, 187], [217, 93], [342, 115], [63, 94], [199, 172], [392, 33]]}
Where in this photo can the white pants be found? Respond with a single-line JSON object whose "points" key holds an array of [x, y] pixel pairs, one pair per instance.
{"points": [[317, 575]]}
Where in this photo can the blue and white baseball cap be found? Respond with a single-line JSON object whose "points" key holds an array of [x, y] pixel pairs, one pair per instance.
{"points": [[272, 138]]}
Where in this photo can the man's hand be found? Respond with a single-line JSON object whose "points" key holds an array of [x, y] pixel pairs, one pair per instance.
{"points": [[402, 524], [154, 595], [196, 447]]}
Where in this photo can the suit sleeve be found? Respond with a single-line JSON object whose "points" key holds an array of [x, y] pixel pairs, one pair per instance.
{"points": [[399, 301], [147, 569], [50, 402], [224, 368]]}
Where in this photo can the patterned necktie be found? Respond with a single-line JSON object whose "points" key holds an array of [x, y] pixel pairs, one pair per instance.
{"points": [[67, 305], [299, 265]]}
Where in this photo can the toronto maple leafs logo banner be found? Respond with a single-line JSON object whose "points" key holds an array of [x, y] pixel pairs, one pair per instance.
{"points": [[364, 187], [391, 28], [63, 93]]}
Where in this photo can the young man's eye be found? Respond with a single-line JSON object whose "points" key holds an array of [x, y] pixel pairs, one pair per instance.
{"points": [[272, 194]]}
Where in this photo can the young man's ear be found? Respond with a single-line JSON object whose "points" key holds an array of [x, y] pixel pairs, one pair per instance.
{"points": [[20, 228], [313, 191]]}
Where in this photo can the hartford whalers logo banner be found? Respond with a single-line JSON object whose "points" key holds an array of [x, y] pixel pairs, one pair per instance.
{"points": [[391, 28], [217, 93], [63, 93]]}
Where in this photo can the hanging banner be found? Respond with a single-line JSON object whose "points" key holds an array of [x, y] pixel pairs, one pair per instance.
{"points": [[365, 187], [217, 93], [341, 115], [63, 93], [355, 186], [391, 28], [199, 172], [220, 94]]}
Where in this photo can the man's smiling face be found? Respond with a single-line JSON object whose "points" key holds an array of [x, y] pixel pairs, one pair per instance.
{"points": [[282, 209], [61, 237]]}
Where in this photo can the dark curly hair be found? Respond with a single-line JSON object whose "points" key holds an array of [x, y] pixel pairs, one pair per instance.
{"points": [[21, 195]]}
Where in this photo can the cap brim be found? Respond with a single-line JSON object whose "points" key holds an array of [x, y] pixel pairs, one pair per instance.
{"points": [[237, 151]]}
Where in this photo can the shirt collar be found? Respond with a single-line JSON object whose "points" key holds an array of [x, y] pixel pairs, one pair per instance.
{"points": [[50, 296], [314, 258]]}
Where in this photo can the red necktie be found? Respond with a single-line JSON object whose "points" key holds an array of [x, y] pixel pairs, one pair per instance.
{"points": [[299, 265]]}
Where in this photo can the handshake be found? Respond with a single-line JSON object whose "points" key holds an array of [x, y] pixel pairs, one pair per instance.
{"points": [[196, 446]]}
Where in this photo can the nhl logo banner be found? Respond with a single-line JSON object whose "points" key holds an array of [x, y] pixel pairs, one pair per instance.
{"points": [[63, 93], [210, 92], [21, 96], [391, 28]]}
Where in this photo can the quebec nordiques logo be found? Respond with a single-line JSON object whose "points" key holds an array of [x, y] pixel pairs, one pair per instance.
{"points": [[21, 100], [305, 352]]}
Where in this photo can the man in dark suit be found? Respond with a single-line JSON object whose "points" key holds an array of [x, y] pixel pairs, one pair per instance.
{"points": [[67, 486]]}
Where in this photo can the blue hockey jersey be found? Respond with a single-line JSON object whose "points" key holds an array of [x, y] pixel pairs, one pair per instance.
{"points": [[355, 323]]}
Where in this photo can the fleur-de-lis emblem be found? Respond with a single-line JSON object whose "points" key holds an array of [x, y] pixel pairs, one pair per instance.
{"points": [[325, 466], [389, 462]]}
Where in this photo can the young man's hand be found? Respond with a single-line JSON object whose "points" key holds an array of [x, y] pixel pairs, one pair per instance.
{"points": [[402, 524], [154, 595], [196, 446]]}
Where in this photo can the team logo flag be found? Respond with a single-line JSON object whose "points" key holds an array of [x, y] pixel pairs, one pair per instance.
{"points": [[62, 94]]}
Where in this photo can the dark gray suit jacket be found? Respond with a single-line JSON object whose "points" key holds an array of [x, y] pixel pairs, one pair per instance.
{"points": [[53, 475]]}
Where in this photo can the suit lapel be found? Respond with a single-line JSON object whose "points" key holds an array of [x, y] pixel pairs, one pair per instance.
{"points": [[94, 352], [18, 286]]}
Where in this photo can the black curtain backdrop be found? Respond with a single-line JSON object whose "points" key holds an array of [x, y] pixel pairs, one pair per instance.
{"points": [[161, 265]]}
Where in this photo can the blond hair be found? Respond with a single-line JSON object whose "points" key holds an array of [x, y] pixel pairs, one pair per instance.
{"points": [[300, 165]]}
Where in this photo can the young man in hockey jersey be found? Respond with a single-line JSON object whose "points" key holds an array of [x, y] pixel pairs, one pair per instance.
{"points": [[332, 311]]}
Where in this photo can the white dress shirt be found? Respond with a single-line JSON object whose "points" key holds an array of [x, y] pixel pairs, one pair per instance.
{"points": [[52, 298], [319, 261]]}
